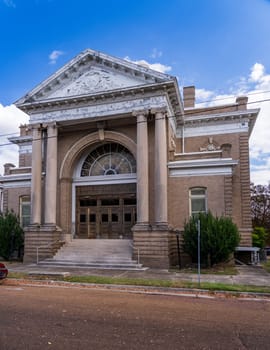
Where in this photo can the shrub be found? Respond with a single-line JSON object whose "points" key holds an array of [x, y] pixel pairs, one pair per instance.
{"points": [[219, 237], [11, 234]]}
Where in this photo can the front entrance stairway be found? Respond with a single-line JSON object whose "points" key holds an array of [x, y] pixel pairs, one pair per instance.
{"points": [[96, 254]]}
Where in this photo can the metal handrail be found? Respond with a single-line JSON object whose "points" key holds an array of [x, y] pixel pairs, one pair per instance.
{"points": [[138, 252], [47, 245]]}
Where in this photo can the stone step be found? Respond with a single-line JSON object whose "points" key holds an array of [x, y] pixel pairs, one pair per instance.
{"points": [[90, 261], [101, 241], [95, 253], [92, 265], [91, 252], [104, 248], [92, 258], [104, 244]]}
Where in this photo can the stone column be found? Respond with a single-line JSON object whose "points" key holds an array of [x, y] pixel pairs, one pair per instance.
{"points": [[142, 169], [51, 175], [161, 208], [36, 186]]}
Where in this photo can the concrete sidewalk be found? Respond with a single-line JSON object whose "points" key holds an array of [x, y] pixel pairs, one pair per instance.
{"points": [[247, 275]]}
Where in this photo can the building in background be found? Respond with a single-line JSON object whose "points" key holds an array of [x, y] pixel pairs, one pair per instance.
{"points": [[113, 151]]}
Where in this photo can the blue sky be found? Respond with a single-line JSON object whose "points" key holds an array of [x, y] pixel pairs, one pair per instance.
{"points": [[222, 47]]}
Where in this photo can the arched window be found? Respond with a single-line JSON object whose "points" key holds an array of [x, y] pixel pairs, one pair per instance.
{"points": [[197, 200], [109, 159]]}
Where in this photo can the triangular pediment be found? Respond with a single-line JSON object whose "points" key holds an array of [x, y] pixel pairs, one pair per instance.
{"points": [[92, 72]]}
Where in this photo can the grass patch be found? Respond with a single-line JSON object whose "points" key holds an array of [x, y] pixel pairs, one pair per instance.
{"points": [[18, 275], [166, 283], [216, 270], [146, 282]]}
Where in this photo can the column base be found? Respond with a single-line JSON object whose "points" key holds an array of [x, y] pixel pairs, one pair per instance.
{"points": [[41, 240], [160, 226], [153, 246], [142, 226]]}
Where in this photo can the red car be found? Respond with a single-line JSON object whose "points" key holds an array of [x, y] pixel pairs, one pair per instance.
{"points": [[3, 271]]}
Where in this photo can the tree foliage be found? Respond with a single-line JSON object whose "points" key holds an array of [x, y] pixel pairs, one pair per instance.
{"points": [[259, 236], [11, 234], [219, 237], [260, 206]]}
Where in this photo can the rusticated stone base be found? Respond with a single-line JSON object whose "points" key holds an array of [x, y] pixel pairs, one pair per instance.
{"points": [[178, 258], [155, 247], [41, 242], [246, 237]]}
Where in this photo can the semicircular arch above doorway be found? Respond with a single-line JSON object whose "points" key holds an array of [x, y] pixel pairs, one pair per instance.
{"points": [[108, 159], [70, 160]]}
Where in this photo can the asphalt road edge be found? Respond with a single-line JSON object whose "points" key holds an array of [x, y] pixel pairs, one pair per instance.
{"points": [[169, 291]]}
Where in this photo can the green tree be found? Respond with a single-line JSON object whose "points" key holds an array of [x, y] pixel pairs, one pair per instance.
{"points": [[219, 237], [260, 206], [11, 234], [259, 236]]}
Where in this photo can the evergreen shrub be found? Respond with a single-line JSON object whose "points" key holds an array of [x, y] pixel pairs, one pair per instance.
{"points": [[219, 237], [11, 234]]}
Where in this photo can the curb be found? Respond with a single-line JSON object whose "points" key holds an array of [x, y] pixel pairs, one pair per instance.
{"points": [[150, 290]]}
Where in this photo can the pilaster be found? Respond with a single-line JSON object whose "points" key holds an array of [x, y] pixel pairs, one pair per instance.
{"points": [[51, 175], [142, 171], [160, 179], [36, 184]]}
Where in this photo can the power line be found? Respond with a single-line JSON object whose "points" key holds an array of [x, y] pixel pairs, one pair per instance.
{"points": [[12, 133], [190, 113], [232, 96]]}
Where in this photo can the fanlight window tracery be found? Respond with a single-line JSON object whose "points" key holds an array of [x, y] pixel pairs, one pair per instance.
{"points": [[109, 159]]}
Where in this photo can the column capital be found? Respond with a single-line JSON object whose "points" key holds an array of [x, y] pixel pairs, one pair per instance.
{"points": [[162, 110], [38, 127], [51, 125], [139, 112]]}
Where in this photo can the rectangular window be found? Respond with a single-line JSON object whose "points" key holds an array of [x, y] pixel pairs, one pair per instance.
{"points": [[88, 202], [197, 200], [198, 205], [114, 217], [109, 202], [92, 218], [25, 211], [130, 201], [82, 218], [127, 217], [105, 218]]}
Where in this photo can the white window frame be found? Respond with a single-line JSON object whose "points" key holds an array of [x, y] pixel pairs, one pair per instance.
{"points": [[24, 201], [197, 196]]}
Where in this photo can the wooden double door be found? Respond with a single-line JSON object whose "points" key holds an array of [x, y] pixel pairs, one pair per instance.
{"points": [[106, 215]]}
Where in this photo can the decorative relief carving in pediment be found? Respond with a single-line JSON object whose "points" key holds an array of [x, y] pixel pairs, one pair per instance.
{"points": [[211, 145], [94, 80]]}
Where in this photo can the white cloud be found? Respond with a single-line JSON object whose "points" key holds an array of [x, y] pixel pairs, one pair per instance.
{"points": [[204, 95], [10, 120], [155, 66], [156, 53], [9, 3], [54, 55], [257, 72], [259, 77], [256, 86]]}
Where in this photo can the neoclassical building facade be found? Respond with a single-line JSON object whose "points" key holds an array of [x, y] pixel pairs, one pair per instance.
{"points": [[114, 151]]}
